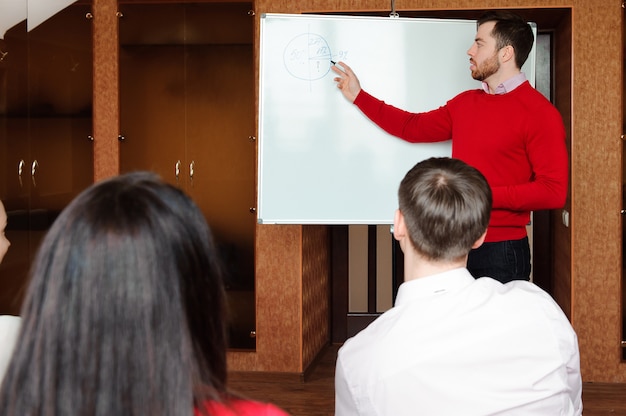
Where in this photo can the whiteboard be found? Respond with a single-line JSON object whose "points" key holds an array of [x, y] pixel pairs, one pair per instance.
{"points": [[320, 160]]}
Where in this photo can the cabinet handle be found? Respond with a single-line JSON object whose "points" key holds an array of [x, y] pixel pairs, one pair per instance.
{"points": [[20, 169], [33, 170], [177, 169], [191, 166]]}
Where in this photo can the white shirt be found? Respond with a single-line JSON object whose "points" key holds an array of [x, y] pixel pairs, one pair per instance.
{"points": [[9, 330], [455, 345]]}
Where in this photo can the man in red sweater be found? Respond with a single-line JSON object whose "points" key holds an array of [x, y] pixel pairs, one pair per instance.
{"points": [[510, 132]]}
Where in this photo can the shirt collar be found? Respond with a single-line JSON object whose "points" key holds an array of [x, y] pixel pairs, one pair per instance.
{"points": [[436, 284], [508, 85]]}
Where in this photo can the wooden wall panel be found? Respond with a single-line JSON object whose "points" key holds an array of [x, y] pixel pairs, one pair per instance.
{"points": [[596, 187], [105, 85], [315, 292]]}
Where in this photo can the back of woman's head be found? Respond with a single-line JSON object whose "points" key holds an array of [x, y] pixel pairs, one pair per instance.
{"points": [[124, 310]]}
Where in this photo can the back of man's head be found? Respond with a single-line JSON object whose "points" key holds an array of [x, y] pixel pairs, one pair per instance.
{"points": [[446, 206]]}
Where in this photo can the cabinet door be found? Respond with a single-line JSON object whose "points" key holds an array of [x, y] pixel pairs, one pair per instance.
{"points": [[220, 123], [187, 95], [45, 125], [220, 126], [15, 156], [60, 91], [152, 109]]}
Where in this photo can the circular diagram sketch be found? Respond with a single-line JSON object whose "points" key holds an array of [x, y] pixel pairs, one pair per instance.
{"points": [[307, 57]]}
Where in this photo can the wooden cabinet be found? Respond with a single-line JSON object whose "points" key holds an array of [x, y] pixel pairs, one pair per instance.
{"points": [[45, 129], [187, 113]]}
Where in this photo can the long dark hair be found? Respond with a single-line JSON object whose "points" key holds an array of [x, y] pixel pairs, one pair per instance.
{"points": [[124, 312]]}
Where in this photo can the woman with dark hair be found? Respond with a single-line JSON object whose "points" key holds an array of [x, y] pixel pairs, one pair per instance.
{"points": [[124, 314]]}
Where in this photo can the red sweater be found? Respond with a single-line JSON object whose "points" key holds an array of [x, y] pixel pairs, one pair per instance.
{"points": [[517, 141], [242, 408]]}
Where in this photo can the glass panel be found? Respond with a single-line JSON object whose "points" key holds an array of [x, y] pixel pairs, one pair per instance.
{"points": [[187, 113], [15, 155], [45, 127]]}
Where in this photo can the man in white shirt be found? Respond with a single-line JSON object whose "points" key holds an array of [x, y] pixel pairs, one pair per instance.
{"points": [[452, 344]]}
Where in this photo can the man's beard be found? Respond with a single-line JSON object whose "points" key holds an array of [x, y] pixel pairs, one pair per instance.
{"points": [[486, 69]]}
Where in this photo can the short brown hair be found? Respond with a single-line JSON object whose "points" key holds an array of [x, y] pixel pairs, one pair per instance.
{"points": [[446, 206]]}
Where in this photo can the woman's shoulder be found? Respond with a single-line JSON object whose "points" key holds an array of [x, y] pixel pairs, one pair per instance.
{"points": [[243, 408]]}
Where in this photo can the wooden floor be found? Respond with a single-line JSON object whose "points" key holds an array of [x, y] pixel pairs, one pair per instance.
{"points": [[315, 396]]}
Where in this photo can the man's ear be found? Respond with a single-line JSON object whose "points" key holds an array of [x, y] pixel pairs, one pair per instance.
{"points": [[507, 53], [480, 240], [399, 227]]}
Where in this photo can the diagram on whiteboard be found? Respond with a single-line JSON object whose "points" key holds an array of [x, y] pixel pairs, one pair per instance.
{"points": [[308, 57]]}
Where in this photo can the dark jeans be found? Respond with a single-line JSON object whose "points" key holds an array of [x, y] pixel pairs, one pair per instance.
{"points": [[503, 261]]}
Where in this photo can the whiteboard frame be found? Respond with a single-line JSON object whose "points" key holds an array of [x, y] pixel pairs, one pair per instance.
{"points": [[284, 98]]}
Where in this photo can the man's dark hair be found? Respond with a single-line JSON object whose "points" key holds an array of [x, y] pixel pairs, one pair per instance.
{"points": [[446, 206], [510, 29]]}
